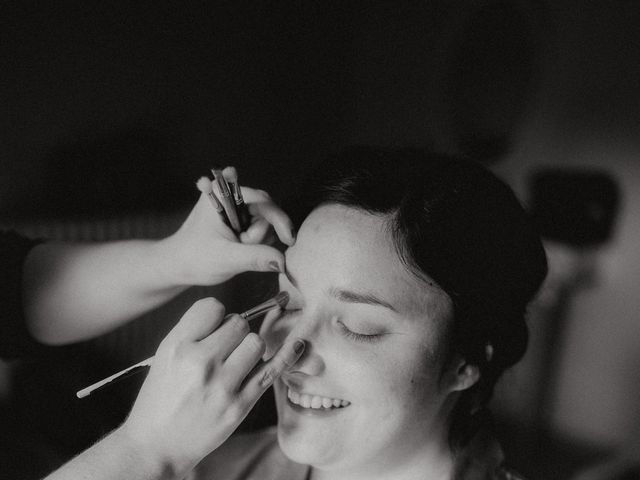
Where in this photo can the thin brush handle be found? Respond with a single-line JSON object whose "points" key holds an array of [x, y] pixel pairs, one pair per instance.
{"points": [[228, 203], [127, 372], [122, 374], [244, 217], [279, 301]]}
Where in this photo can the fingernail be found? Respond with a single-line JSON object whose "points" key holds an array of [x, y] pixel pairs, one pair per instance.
{"points": [[275, 266], [298, 347]]}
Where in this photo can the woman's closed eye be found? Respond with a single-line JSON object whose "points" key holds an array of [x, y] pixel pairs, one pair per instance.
{"points": [[359, 337], [344, 330], [289, 312]]}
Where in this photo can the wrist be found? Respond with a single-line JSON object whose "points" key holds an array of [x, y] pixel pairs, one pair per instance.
{"points": [[171, 264]]}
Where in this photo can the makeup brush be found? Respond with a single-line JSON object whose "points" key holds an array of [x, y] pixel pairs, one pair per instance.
{"points": [[226, 200], [231, 175], [279, 301], [204, 185]]}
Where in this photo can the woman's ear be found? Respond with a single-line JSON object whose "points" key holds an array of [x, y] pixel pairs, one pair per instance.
{"points": [[461, 375]]}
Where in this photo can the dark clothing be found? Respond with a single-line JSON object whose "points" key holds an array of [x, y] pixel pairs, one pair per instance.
{"points": [[15, 340]]}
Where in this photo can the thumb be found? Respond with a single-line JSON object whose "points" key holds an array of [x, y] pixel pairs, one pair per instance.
{"points": [[258, 258]]}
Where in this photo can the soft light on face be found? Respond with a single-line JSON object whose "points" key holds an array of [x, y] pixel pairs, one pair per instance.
{"points": [[368, 390]]}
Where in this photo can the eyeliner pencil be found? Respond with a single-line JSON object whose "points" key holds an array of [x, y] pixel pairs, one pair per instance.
{"points": [[279, 301]]}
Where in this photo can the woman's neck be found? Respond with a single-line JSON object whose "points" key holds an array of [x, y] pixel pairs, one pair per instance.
{"points": [[430, 464]]}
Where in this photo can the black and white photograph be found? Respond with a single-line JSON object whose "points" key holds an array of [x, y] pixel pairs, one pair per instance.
{"points": [[307, 240]]}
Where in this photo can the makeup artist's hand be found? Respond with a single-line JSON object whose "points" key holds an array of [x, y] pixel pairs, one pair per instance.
{"points": [[205, 251], [206, 376]]}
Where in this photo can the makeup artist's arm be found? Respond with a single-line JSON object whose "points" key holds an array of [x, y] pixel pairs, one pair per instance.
{"points": [[73, 292], [206, 377]]}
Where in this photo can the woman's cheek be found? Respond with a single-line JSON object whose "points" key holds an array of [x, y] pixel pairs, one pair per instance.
{"points": [[274, 330]]}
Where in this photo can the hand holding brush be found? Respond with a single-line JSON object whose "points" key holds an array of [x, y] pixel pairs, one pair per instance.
{"points": [[206, 251]]}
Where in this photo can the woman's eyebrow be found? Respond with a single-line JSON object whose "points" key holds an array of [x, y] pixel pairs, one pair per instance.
{"points": [[347, 296], [354, 297]]}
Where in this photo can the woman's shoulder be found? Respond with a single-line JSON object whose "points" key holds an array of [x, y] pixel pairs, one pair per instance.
{"points": [[249, 456]]}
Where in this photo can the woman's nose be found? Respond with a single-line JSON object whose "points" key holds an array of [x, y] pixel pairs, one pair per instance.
{"points": [[277, 329]]}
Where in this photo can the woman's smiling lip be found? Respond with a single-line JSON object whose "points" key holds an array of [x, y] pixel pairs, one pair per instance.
{"points": [[315, 401], [311, 404], [313, 412]]}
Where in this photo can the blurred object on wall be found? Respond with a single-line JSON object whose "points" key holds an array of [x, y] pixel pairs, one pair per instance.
{"points": [[576, 207], [575, 210]]}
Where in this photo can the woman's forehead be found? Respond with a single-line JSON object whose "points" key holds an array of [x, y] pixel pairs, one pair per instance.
{"points": [[344, 237], [343, 247]]}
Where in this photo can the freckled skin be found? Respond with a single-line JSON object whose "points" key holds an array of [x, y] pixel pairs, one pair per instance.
{"points": [[396, 423]]}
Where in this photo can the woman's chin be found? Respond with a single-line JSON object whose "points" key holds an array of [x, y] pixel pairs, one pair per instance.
{"points": [[299, 447], [313, 434], [305, 440]]}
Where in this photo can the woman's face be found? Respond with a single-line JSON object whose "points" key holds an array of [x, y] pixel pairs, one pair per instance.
{"points": [[368, 391]]}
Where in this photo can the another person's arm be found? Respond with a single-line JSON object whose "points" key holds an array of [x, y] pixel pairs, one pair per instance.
{"points": [[73, 292], [205, 378]]}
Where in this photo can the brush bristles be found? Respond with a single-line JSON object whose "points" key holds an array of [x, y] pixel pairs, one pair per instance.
{"points": [[204, 185], [231, 174], [282, 299]]}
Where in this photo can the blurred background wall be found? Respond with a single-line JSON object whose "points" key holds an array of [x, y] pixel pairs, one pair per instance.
{"points": [[112, 109]]}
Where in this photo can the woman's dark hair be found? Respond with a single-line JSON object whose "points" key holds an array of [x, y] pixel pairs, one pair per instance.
{"points": [[456, 222]]}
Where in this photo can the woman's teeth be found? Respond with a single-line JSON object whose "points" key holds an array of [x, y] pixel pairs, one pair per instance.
{"points": [[315, 401]]}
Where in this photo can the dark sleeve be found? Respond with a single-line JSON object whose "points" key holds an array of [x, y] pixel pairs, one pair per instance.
{"points": [[15, 340]]}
